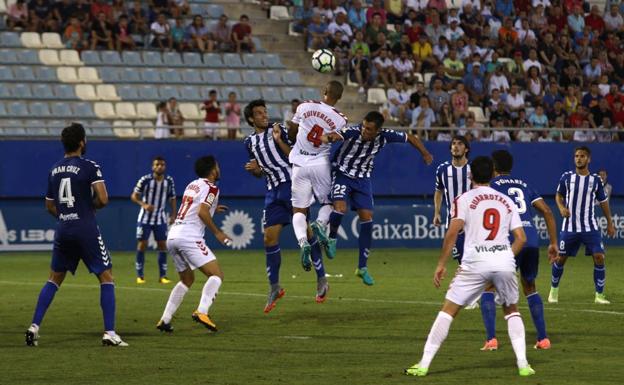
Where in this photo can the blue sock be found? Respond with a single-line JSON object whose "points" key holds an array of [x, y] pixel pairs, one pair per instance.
{"points": [[45, 299], [107, 302], [140, 262], [317, 257], [162, 263], [557, 272], [488, 312], [536, 306], [273, 262], [365, 240], [599, 277], [334, 223]]}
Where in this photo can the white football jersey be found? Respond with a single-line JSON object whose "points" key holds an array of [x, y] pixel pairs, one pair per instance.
{"points": [[188, 224], [314, 119], [488, 218]]}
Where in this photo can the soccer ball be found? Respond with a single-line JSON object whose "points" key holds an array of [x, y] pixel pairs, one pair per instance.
{"points": [[323, 60]]}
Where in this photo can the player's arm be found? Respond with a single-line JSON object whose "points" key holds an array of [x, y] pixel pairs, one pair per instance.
{"points": [[331, 137], [174, 209], [293, 129], [519, 240], [101, 195], [206, 217], [136, 198], [551, 226], [51, 207], [437, 206], [563, 210], [415, 141], [447, 247], [604, 205], [277, 137]]}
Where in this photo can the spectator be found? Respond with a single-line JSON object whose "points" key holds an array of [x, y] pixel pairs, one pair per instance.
{"points": [[459, 102], [453, 67], [608, 189], [41, 16], [375, 27], [399, 103], [102, 6], [606, 131], [423, 118], [547, 53], [377, 46], [179, 8], [416, 95], [340, 24], [160, 6], [178, 35], [162, 122], [118, 8], [241, 35], [576, 22], [493, 101], [599, 112], [498, 81], [161, 33], [455, 32], [138, 19], [213, 115], [538, 119], [317, 33], [613, 19], [198, 35], [359, 43], [82, 10], [423, 52], [595, 21], [360, 71], [507, 34], [222, 35], [404, 68], [290, 112], [592, 71], [17, 16], [123, 39], [535, 86], [395, 11], [385, 69], [435, 30], [585, 134], [499, 134], [74, 36], [357, 15], [475, 84], [232, 115], [340, 48], [175, 117], [438, 97], [471, 128], [302, 17], [376, 8], [551, 95], [514, 101], [557, 112], [445, 120], [101, 33], [591, 98], [501, 114], [532, 61]]}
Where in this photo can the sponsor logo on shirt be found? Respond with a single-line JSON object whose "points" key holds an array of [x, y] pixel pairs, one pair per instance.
{"points": [[491, 249]]}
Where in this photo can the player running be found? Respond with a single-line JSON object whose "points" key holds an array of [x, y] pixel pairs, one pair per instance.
{"points": [[311, 174], [527, 261], [487, 217], [152, 192], [185, 243], [71, 183], [575, 197], [268, 149], [353, 165]]}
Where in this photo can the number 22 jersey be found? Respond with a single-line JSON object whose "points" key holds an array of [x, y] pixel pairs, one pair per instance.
{"points": [[188, 224]]}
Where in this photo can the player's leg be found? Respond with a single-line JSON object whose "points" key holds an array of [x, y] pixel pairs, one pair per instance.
{"points": [[46, 295], [273, 262], [316, 254], [209, 292], [187, 277], [108, 305], [528, 265], [302, 198], [365, 241], [339, 193], [142, 234], [569, 244], [160, 235], [488, 313], [320, 176]]}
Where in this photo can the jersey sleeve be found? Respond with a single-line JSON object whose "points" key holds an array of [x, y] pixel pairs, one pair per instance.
{"points": [[248, 148], [171, 194], [297, 118], [439, 183], [284, 135], [562, 188], [600, 192], [515, 218], [349, 132], [140, 185], [212, 192], [95, 174], [533, 195], [459, 209], [393, 136]]}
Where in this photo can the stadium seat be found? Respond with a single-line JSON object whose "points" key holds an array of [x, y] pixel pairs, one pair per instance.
{"points": [[148, 93], [146, 110], [6, 73], [67, 74], [14, 127], [272, 60], [233, 60], [310, 93], [84, 110], [192, 59], [91, 57], [65, 91], [152, 58], [24, 73], [290, 93], [124, 110], [130, 75], [10, 39], [167, 92], [61, 109], [212, 76], [171, 76], [258, 43], [252, 60], [214, 11], [46, 74], [111, 58], [190, 93], [43, 91], [250, 93], [131, 58], [279, 12], [231, 77], [109, 74], [172, 59], [70, 57], [5, 91], [21, 91], [213, 60], [191, 130], [104, 110], [55, 127], [39, 109], [376, 96], [274, 112], [128, 92], [88, 75], [190, 111], [191, 76], [31, 40], [198, 9], [52, 40], [272, 78], [100, 128], [35, 127], [8, 56], [107, 92], [49, 57], [3, 111], [292, 78], [225, 92], [28, 56], [150, 75], [271, 94], [252, 77], [17, 109], [478, 113], [86, 92], [204, 92], [144, 128]]}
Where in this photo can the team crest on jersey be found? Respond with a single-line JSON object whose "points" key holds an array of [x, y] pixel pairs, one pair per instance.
{"points": [[98, 173], [210, 198]]}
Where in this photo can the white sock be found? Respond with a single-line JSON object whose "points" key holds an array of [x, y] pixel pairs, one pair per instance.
{"points": [[300, 225], [174, 301], [437, 335], [323, 214], [515, 327], [209, 293]]}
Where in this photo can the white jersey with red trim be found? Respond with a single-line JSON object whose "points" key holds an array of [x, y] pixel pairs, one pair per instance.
{"points": [[188, 224], [314, 119], [488, 217]]}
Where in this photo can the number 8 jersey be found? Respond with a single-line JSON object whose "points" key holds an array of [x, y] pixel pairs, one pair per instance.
{"points": [[488, 217], [314, 119], [188, 224]]}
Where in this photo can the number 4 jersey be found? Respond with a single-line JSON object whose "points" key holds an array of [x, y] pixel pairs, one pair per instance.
{"points": [[188, 224], [488, 217], [314, 119]]}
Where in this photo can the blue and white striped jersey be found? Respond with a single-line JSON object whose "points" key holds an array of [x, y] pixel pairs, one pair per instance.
{"points": [[355, 156], [156, 194], [452, 181], [579, 193], [271, 159]]}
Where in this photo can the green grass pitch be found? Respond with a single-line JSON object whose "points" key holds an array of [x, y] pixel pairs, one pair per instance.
{"points": [[361, 335]]}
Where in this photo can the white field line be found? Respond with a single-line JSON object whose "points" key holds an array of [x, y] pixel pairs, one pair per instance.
{"points": [[366, 300]]}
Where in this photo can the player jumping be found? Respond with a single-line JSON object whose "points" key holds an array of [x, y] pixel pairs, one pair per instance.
{"points": [[71, 183]]}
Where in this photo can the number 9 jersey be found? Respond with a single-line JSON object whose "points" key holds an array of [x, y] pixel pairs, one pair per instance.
{"points": [[314, 119]]}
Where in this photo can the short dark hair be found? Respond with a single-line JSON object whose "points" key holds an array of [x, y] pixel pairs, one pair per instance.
{"points": [[482, 169], [376, 118], [204, 165], [158, 158], [248, 112], [334, 89], [161, 105], [71, 137], [583, 148], [212, 92], [503, 161], [462, 139]]}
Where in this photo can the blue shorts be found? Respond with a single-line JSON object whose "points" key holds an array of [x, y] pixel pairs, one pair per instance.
{"points": [[458, 249], [143, 232], [75, 244], [357, 191], [569, 243], [527, 261], [277, 206]]}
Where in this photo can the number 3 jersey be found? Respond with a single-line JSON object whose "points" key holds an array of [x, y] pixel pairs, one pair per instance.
{"points": [[314, 119], [188, 224], [488, 217], [70, 187]]}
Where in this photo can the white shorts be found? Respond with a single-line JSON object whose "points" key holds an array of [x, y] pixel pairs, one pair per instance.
{"points": [[309, 182], [467, 286], [188, 253]]}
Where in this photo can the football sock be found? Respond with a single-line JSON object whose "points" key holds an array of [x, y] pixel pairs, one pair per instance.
{"points": [[273, 262], [323, 214], [515, 327], [536, 306], [317, 257], [140, 262], [334, 223], [365, 240], [209, 293], [175, 299], [437, 335], [45, 299], [557, 272], [107, 302], [162, 263], [300, 225], [488, 312], [599, 277]]}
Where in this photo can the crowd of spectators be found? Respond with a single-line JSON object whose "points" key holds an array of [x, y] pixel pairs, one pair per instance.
{"points": [[121, 25], [536, 65]]}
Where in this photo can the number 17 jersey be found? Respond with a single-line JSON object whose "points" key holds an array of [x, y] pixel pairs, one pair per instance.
{"points": [[188, 224], [314, 119]]}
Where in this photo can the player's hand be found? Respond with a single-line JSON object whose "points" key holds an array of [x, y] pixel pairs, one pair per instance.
{"points": [[565, 212], [611, 230], [437, 220], [439, 275], [324, 139], [221, 209], [428, 158], [172, 219], [148, 208], [223, 239], [277, 132], [553, 253], [252, 166]]}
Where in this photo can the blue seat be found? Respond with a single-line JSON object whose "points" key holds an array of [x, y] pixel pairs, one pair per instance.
{"points": [[14, 127], [252, 77], [10, 39], [39, 109], [172, 59], [43, 91], [128, 92], [55, 127], [212, 76], [171, 76], [130, 75], [5, 73], [290, 93], [61, 109], [149, 93], [65, 92], [28, 56], [109, 74], [190, 93], [3, 111], [197, 9], [251, 93], [167, 92], [271, 94], [5, 91], [220, 94], [252, 60], [233, 60], [192, 59], [111, 58], [46, 74], [21, 91], [91, 58], [100, 128], [131, 58], [292, 78], [191, 76], [83, 110], [152, 58], [17, 109], [258, 44], [36, 127], [272, 60], [272, 78], [231, 77], [24, 73], [8, 56], [150, 75], [310, 93], [274, 112], [214, 11], [213, 60]]}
